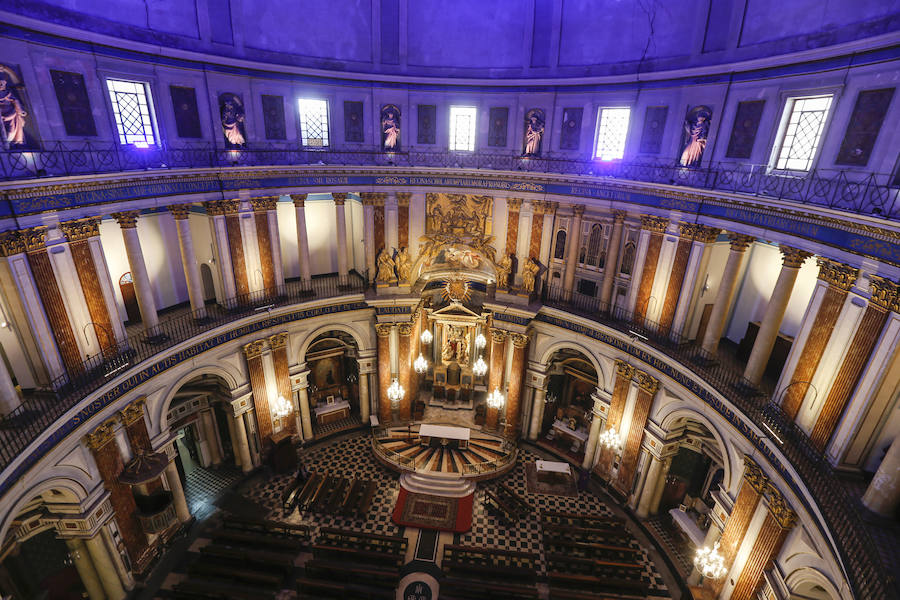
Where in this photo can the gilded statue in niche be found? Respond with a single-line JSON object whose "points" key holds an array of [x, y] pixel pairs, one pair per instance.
{"points": [[404, 265], [12, 108], [534, 132], [231, 108], [390, 127], [503, 271], [696, 130], [529, 272], [385, 267]]}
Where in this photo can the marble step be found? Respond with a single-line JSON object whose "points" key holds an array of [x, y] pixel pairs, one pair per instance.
{"points": [[450, 485]]}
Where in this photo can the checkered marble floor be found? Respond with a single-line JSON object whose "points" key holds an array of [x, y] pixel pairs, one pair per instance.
{"points": [[202, 487], [322, 431]]}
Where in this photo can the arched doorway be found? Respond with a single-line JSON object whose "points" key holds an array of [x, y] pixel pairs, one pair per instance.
{"points": [[129, 298], [333, 381], [209, 284], [571, 381]]}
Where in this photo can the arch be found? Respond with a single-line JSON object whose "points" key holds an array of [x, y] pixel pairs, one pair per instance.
{"points": [[594, 241], [78, 491], [667, 416], [559, 250], [162, 410], [803, 578], [573, 345], [303, 348]]}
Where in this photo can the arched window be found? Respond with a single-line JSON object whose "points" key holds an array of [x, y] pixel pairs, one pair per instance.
{"points": [[559, 251], [627, 258], [581, 254], [594, 242]]}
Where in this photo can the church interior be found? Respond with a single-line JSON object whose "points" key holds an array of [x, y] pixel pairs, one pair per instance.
{"points": [[421, 300]]}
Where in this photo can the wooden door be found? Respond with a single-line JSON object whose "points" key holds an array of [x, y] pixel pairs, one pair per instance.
{"points": [[126, 286], [704, 321]]}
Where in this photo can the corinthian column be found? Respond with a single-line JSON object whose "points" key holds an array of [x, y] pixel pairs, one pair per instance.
{"points": [[368, 202], [516, 376], [261, 209], [624, 374], [656, 227], [383, 331], [341, 221], [216, 212], [404, 360], [777, 524], [495, 374], [189, 259], [142, 288], [771, 323], [573, 240], [590, 447], [612, 260], [631, 449], [302, 237], [716, 324]]}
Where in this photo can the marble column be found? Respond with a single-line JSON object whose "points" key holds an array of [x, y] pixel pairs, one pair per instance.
{"points": [[232, 208], [537, 413], [261, 208], [216, 212], [676, 276], [209, 432], [275, 242], [368, 202], [495, 374], [79, 233], [404, 361], [659, 487], [52, 299], [656, 227], [777, 524], [403, 219], [341, 225], [513, 211], [174, 481], [516, 378], [722, 304], [650, 484], [189, 259], [771, 322], [364, 405], [590, 448], [243, 444], [612, 260], [305, 417], [253, 352], [839, 279], [692, 287], [106, 570], [383, 331], [539, 208], [232, 435], [624, 374], [742, 512], [302, 236], [278, 344], [883, 494], [631, 449], [573, 241], [9, 395], [139, 276], [885, 298], [85, 567]]}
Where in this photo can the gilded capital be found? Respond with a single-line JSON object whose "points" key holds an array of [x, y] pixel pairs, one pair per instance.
{"points": [[498, 336], [518, 340], [793, 258], [383, 329], [254, 349], [618, 216], [179, 211], [403, 198], [753, 474], [80, 229], [126, 219], [740, 243], [514, 204], [706, 234], [578, 209], [885, 294], [373, 198], [299, 199], [646, 382], [624, 370], [339, 198], [34, 238], [837, 274], [11, 243], [405, 329], [101, 436], [133, 412], [263, 203], [687, 231], [654, 224], [779, 509], [279, 340], [230, 207], [214, 208]]}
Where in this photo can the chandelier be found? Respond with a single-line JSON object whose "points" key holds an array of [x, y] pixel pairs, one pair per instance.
{"points": [[495, 399], [480, 367], [480, 341], [710, 563], [420, 364], [395, 392], [610, 439], [426, 336], [282, 408]]}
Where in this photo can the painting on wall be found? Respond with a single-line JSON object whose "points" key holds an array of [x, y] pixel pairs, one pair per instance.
{"points": [[654, 126], [427, 124], [390, 128], [862, 129], [499, 117], [74, 104], [273, 117], [534, 132], [353, 121], [19, 132], [187, 116], [458, 214], [694, 134], [570, 138], [231, 108], [743, 132]]}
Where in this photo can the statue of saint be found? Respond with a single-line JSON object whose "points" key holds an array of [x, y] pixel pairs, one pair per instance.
{"points": [[529, 271], [12, 113], [385, 267], [503, 271], [404, 265], [534, 132]]}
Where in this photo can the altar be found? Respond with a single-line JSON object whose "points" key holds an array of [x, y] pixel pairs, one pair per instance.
{"points": [[443, 434], [329, 413]]}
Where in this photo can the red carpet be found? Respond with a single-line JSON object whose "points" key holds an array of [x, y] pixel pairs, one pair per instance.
{"points": [[434, 512]]}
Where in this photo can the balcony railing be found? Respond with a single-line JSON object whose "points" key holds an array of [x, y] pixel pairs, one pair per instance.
{"points": [[854, 191], [23, 425], [867, 573]]}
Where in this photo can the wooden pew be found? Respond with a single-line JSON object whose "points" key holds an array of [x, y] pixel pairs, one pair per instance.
{"points": [[602, 585], [201, 588]]}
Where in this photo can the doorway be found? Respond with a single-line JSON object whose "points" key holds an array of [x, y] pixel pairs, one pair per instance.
{"points": [[129, 298]]}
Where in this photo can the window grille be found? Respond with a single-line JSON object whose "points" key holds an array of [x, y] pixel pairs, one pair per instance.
{"points": [[462, 128], [612, 130], [313, 123], [801, 126], [132, 111]]}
